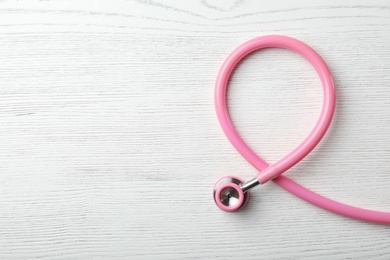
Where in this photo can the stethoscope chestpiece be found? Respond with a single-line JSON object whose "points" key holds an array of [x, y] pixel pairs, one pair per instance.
{"points": [[229, 195]]}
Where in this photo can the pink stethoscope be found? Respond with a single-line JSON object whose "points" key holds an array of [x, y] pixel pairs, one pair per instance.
{"points": [[230, 192]]}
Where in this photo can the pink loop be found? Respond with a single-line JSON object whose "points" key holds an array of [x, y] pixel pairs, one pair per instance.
{"points": [[270, 172]]}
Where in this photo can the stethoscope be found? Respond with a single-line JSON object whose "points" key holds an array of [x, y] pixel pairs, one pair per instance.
{"points": [[230, 192]]}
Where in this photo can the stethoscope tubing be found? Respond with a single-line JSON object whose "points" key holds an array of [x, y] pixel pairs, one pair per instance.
{"points": [[319, 130]]}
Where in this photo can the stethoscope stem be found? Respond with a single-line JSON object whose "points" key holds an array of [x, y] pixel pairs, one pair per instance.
{"points": [[249, 185]]}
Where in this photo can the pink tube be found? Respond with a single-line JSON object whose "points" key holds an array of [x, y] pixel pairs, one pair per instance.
{"points": [[270, 172], [331, 205]]}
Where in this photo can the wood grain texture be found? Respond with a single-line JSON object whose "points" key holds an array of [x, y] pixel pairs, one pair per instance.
{"points": [[110, 144]]}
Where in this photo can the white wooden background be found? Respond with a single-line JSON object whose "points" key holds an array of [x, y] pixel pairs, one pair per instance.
{"points": [[109, 143]]}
